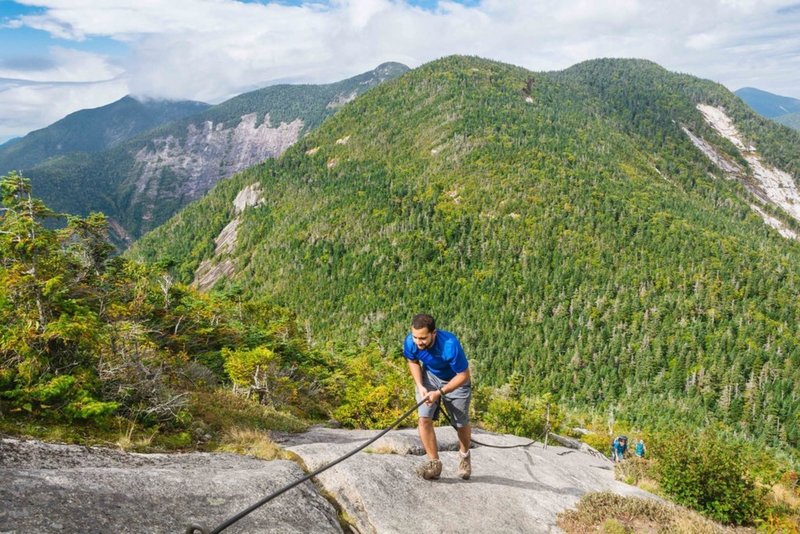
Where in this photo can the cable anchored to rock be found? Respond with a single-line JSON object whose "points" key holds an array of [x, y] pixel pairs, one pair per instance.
{"points": [[198, 529], [195, 529]]}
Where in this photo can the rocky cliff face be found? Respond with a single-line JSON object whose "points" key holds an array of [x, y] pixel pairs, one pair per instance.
{"points": [[221, 265], [209, 153], [59, 488], [143, 181]]}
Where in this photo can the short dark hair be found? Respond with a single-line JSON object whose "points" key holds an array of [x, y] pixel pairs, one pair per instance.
{"points": [[423, 320]]}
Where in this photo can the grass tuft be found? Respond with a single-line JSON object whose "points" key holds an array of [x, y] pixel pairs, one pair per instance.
{"points": [[606, 512], [255, 443]]}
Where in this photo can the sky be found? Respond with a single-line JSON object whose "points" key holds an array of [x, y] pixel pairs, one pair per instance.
{"points": [[59, 56]]}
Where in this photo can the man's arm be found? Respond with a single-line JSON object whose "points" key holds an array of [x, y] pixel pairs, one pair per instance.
{"points": [[416, 374]]}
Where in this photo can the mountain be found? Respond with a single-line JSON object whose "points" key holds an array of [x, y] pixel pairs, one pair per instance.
{"points": [[616, 234], [141, 182], [10, 142], [92, 130], [768, 104], [792, 120]]}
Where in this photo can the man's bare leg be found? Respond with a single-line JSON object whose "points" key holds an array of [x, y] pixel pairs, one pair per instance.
{"points": [[428, 437], [464, 438]]}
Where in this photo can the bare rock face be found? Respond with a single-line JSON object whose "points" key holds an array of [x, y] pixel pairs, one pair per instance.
{"points": [[64, 488], [60, 488], [249, 196], [767, 184], [185, 169], [511, 490], [220, 266], [209, 272]]}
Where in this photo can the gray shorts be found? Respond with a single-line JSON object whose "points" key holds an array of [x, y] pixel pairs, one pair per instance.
{"points": [[456, 401]]}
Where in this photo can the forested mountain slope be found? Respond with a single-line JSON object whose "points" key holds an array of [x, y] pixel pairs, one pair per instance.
{"points": [[768, 104], [591, 229], [782, 109], [792, 120], [93, 130], [140, 183]]}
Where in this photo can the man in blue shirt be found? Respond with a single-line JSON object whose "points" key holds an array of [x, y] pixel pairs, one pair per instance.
{"points": [[441, 372]]}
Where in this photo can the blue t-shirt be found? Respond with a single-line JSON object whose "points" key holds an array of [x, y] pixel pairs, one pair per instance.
{"points": [[444, 359]]}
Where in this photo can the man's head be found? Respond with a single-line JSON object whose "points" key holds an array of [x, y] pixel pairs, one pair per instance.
{"points": [[423, 330]]}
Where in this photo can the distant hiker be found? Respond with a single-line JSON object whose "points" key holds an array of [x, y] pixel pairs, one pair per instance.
{"points": [[619, 447], [440, 370], [640, 449]]}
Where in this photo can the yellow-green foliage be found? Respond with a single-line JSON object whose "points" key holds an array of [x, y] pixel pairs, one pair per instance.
{"points": [[504, 410], [613, 526], [598, 440], [87, 335], [510, 416], [260, 368], [375, 390], [216, 412]]}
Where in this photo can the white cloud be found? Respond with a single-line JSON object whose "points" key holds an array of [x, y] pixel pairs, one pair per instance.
{"points": [[69, 80], [26, 106], [66, 65], [212, 49]]}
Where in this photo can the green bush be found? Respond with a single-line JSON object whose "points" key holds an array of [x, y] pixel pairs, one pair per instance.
{"points": [[511, 416], [708, 472], [505, 410], [217, 411], [60, 396], [375, 390], [261, 370]]}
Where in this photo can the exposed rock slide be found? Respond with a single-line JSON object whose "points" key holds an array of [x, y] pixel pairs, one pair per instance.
{"points": [[769, 185], [209, 271]]}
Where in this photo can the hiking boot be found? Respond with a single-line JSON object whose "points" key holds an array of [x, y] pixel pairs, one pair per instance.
{"points": [[465, 466], [430, 470]]}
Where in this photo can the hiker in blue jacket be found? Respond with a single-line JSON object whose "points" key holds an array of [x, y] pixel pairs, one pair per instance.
{"points": [[640, 449], [619, 447], [440, 371]]}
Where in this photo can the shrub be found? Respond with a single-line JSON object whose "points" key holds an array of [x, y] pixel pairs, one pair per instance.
{"points": [[215, 412], [708, 472], [600, 441], [509, 413], [376, 390], [260, 371], [250, 442], [510, 416], [63, 396]]}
